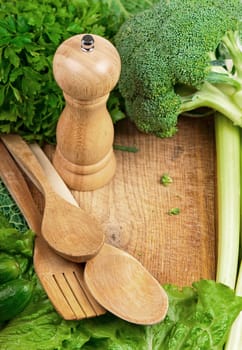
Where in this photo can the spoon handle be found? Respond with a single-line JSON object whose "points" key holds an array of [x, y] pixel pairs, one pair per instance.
{"points": [[26, 160], [56, 182], [19, 189]]}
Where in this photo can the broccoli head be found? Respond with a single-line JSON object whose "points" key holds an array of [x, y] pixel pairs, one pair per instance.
{"points": [[178, 56]]}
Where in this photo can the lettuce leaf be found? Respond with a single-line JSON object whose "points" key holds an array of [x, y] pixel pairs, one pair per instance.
{"points": [[199, 318], [15, 236], [15, 242]]}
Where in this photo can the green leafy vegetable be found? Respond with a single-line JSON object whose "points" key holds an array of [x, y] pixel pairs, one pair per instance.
{"points": [[9, 267], [30, 32], [199, 317], [15, 242], [198, 327], [10, 215], [115, 106], [15, 236]]}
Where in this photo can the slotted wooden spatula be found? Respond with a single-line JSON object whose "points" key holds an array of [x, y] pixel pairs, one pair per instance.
{"points": [[61, 279]]}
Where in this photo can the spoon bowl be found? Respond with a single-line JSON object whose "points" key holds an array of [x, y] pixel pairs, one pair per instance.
{"points": [[75, 236], [122, 285], [69, 230]]}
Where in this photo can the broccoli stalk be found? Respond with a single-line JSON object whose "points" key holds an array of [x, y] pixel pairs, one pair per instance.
{"points": [[214, 97], [222, 89], [232, 41]]}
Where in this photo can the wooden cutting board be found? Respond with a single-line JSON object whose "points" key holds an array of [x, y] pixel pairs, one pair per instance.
{"points": [[134, 207]]}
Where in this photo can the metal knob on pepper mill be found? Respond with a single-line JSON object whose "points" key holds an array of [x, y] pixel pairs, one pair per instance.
{"points": [[87, 68]]}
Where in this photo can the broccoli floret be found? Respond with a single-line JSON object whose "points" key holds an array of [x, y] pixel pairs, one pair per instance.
{"points": [[178, 56]]}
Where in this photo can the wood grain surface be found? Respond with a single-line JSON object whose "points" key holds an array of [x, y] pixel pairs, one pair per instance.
{"points": [[134, 207]]}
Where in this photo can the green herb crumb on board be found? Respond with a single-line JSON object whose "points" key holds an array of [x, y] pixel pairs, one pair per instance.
{"points": [[174, 211], [131, 149], [166, 179]]}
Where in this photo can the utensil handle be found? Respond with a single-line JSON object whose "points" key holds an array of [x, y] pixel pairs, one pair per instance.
{"points": [[26, 160], [18, 188], [54, 178]]}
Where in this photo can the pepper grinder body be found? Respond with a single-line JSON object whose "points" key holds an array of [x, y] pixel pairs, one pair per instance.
{"points": [[84, 154]]}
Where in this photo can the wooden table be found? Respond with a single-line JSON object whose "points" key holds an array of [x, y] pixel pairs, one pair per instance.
{"points": [[134, 207]]}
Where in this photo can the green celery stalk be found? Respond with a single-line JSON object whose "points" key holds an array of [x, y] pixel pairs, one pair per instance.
{"points": [[228, 199], [234, 341], [238, 289]]}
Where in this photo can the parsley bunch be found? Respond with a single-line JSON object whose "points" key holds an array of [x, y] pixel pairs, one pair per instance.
{"points": [[30, 32]]}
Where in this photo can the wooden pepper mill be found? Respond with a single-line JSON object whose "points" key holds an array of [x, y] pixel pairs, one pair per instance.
{"points": [[86, 67]]}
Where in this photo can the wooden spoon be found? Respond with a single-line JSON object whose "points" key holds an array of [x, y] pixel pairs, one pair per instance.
{"points": [[118, 281], [69, 230], [122, 285], [62, 279]]}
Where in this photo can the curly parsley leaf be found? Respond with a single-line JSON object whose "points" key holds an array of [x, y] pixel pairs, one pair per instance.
{"points": [[30, 32]]}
